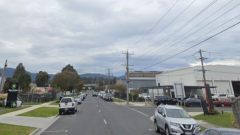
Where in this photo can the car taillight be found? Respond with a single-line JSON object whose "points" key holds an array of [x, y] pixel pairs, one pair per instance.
{"points": [[157, 99], [72, 104], [59, 105]]}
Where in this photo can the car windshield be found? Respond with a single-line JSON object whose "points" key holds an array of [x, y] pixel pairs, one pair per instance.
{"points": [[64, 100], [109, 95], [177, 113], [230, 133]]}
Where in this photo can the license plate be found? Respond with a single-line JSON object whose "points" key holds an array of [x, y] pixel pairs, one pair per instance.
{"points": [[66, 109], [188, 133]]}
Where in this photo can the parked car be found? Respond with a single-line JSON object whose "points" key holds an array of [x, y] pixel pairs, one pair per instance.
{"points": [[222, 102], [94, 94], [84, 96], [81, 96], [191, 102], [220, 131], [19, 103], [174, 120], [104, 96], [67, 104], [109, 97], [78, 100], [165, 100], [221, 96]]}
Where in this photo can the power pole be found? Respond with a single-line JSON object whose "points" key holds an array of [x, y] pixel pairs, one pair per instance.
{"points": [[109, 73], [127, 68], [3, 75], [204, 78]]}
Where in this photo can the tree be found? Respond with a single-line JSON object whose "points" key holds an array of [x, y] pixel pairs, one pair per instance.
{"points": [[79, 86], [19, 70], [42, 79], [65, 81], [120, 88], [24, 81], [69, 68], [7, 82], [99, 88]]}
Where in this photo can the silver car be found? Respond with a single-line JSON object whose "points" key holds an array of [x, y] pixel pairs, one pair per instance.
{"points": [[174, 120], [220, 131]]}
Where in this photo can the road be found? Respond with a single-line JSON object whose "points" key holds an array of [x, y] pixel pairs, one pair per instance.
{"points": [[97, 117]]}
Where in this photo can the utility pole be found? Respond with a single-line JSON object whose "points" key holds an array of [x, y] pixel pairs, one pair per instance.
{"points": [[1, 83], [127, 68], [204, 78], [109, 73]]}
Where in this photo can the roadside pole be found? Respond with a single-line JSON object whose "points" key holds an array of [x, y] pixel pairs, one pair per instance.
{"points": [[1, 83]]}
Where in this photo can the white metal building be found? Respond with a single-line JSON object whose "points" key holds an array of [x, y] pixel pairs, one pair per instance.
{"points": [[225, 78]]}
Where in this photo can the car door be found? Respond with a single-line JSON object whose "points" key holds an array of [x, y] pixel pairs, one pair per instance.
{"points": [[161, 118], [158, 115]]}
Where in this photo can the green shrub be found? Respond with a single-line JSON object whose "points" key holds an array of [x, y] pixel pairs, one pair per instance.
{"points": [[214, 111]]}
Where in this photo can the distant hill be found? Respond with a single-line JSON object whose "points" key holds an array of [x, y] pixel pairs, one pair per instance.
{"points": [[10, 71], [92, 75]]}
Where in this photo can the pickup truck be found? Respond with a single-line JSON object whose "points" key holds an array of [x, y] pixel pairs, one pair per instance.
{"points": [[67, 104]]}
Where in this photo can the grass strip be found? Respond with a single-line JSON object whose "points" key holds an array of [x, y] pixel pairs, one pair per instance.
{"points": [[118, 101], [31, 103], [42, 112], [222, 120], [7, 129], [4, 110]]}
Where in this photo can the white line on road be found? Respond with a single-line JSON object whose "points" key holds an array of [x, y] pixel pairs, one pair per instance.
{"points": [[137, 111], [151, 129], [57, 131], [97, 105], [99, 110], [105, 121]]}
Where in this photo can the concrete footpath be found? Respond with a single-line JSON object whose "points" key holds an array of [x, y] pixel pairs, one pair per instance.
{"points": [[40, 123]]}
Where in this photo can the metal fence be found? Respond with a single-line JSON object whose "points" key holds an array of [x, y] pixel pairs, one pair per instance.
{"points": [[38, 98], [236, 112], [132, 97]]}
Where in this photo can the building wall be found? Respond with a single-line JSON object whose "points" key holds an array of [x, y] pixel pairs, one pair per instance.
{"points": [[135, 84], [216, 75]]}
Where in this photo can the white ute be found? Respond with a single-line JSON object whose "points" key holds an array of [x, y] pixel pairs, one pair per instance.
{"points": [[67, 104]]}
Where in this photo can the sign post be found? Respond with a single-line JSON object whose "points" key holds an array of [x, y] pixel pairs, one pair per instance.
{"points": [[12, 95]]}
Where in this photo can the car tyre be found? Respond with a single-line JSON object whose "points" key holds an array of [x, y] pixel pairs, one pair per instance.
{"points": [[60, 113], [156, 127], [167, 130], [74, 112], [222, 105]]}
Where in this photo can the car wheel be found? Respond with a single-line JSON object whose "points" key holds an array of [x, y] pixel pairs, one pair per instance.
{"points": [[167, 130], [74, 112], [156, 127], [60, 113], [222, 105]]}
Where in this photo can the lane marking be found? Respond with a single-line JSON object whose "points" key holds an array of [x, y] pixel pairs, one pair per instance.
{"points": [[137, 111], [99, 110], [105, 121], [97, 105], [151, 129], [57, 131]]}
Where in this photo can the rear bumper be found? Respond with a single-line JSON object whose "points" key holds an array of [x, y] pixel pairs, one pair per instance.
{"points": [[66, 109]]}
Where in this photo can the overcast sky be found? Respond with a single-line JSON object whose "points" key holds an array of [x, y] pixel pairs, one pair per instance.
{"points": [[46, 35]]}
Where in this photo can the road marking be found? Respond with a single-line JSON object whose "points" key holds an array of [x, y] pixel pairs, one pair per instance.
{"points": [[99, 110], [151, 129], [97, 105], [137, 111], [57, 131], [105, 121]]}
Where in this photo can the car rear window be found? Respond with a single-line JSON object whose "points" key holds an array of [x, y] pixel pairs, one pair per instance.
{"points": [[64, 100]]}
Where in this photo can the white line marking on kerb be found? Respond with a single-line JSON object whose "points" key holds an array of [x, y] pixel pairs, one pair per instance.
{"points": [[105, 121], [99, 110]]}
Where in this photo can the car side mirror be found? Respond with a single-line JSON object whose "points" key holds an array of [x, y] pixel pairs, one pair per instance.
{"points": [[164, 115]]}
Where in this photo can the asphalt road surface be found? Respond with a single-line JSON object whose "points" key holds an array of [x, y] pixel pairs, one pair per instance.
{"points": [[97, 117]]}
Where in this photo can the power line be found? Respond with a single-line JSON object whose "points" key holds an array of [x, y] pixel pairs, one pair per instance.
{"points": [[184, 25], [200, 36], [155, 24], [193, 45]]}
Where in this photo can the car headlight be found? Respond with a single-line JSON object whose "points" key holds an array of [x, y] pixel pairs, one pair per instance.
{"points": [[175, 124], [196, 126]]}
